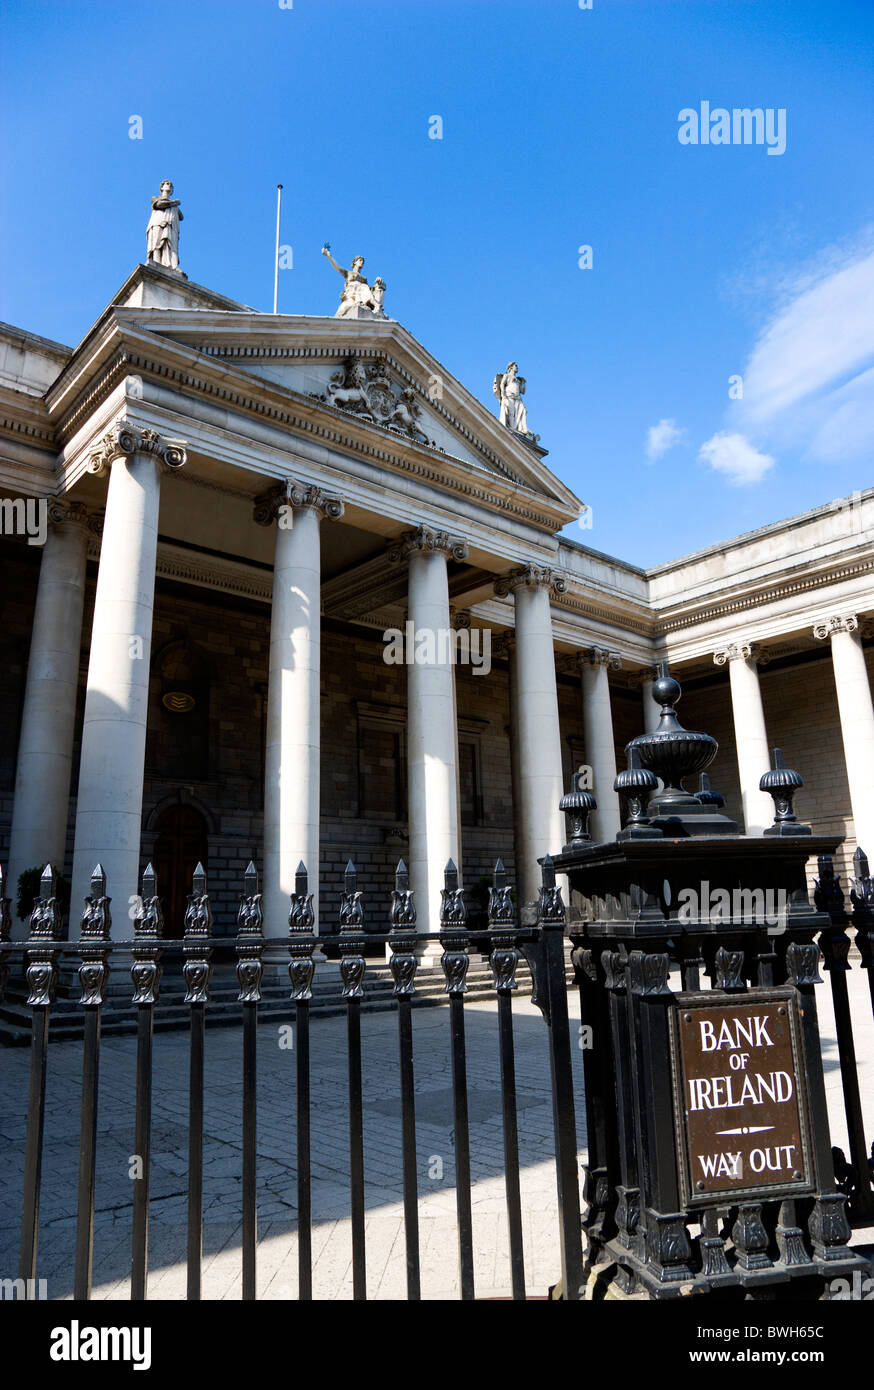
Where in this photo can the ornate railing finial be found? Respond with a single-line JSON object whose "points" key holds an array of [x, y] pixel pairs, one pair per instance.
{"points": [[402, 939], [250, 938], [352, 961], [453, 919], [302, 942], [145, 968], [195, 940], [94, 945], [44, 942]]}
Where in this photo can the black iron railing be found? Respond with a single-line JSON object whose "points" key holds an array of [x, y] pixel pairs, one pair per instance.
{"points": [[502, 942], [855, 1177]]}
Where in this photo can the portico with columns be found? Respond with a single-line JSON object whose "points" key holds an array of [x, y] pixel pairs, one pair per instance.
{"points": [[208, 483]]}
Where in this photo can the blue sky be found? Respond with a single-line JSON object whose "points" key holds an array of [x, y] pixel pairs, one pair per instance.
{"points": [[560, 129]]}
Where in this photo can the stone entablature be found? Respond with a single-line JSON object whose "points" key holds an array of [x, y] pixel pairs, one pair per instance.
{"points": [[155, 347], [167, 350]]}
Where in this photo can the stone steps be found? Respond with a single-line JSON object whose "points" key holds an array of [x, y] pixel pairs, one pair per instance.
{"points": [[223, 1009]]}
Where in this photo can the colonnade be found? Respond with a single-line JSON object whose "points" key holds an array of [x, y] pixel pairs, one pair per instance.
{"points": [[110, 791]]}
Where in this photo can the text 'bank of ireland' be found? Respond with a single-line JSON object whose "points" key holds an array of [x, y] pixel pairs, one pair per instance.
{"points": [[739, 1095]]}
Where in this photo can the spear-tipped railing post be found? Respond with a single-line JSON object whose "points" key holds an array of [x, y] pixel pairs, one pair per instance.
{"points": [[455, 962], [43, 948], [835, 944], [862, 897], [94, 951], [352, 944], [146, 977], [197, 951], [402, 941], [301, 944], [547, 960], [250, 970], [503, 959]]}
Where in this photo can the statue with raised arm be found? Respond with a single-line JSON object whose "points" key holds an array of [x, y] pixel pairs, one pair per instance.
{"points": [[509, 388], [358, 299], [162, 232]]}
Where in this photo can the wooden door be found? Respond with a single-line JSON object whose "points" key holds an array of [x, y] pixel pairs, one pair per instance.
{"points": [[180, 845]]}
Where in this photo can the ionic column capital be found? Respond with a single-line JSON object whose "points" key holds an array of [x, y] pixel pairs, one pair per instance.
{"points": [[296, 496], [530, 576], [125, 438], [63, 513], [599, 656], [847, 622], [736, 651], [424, 539]]}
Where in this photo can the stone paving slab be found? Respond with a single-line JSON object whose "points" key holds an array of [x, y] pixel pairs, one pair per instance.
{"points": [[332, 1243]]}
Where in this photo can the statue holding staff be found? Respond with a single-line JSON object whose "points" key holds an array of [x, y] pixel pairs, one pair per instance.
{"points": [[162, 233]]}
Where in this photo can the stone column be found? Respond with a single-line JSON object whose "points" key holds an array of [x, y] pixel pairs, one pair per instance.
{"points": [[45, 748], [506, 646], [750, 735], [857, 720], [293, 752], [605, 823], [432, 742], [651, 707], [110, 800], [535, 726]]}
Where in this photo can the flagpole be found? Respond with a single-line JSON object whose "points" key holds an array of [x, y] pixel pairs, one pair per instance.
{"points": [[276, 259]]}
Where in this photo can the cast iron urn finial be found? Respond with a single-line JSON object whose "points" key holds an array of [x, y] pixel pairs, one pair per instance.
{"points": [[636, 785], [781, 783], [578, 805], [673, 753]]}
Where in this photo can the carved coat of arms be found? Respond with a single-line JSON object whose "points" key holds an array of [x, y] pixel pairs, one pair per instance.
{"points": [[370, 393]]}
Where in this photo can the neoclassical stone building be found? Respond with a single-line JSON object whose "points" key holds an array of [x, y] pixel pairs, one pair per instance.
{"points": [[238, 505]]}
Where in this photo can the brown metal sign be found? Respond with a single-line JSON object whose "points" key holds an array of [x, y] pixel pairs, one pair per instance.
{"points": [[740, 1096]]}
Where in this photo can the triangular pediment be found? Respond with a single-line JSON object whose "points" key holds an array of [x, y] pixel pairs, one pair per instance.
{"points": [[369, 375]]}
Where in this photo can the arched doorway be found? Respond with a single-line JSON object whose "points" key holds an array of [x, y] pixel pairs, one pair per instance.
{"points": [[180, 845]]}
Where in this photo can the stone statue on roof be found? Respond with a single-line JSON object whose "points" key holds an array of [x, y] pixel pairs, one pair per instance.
{"points": [[358, 299], [162, 233], [509, 388]]}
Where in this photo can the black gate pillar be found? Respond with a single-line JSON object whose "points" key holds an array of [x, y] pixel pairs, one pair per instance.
{"points": [[710, 1167]]}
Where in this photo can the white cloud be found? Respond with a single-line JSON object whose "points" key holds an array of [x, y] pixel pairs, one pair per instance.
{"points": [[736, 457], [662, 437], [809, 380]]}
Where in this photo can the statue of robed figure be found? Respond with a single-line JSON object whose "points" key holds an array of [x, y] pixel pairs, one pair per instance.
{"points": [[162, 232]]}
